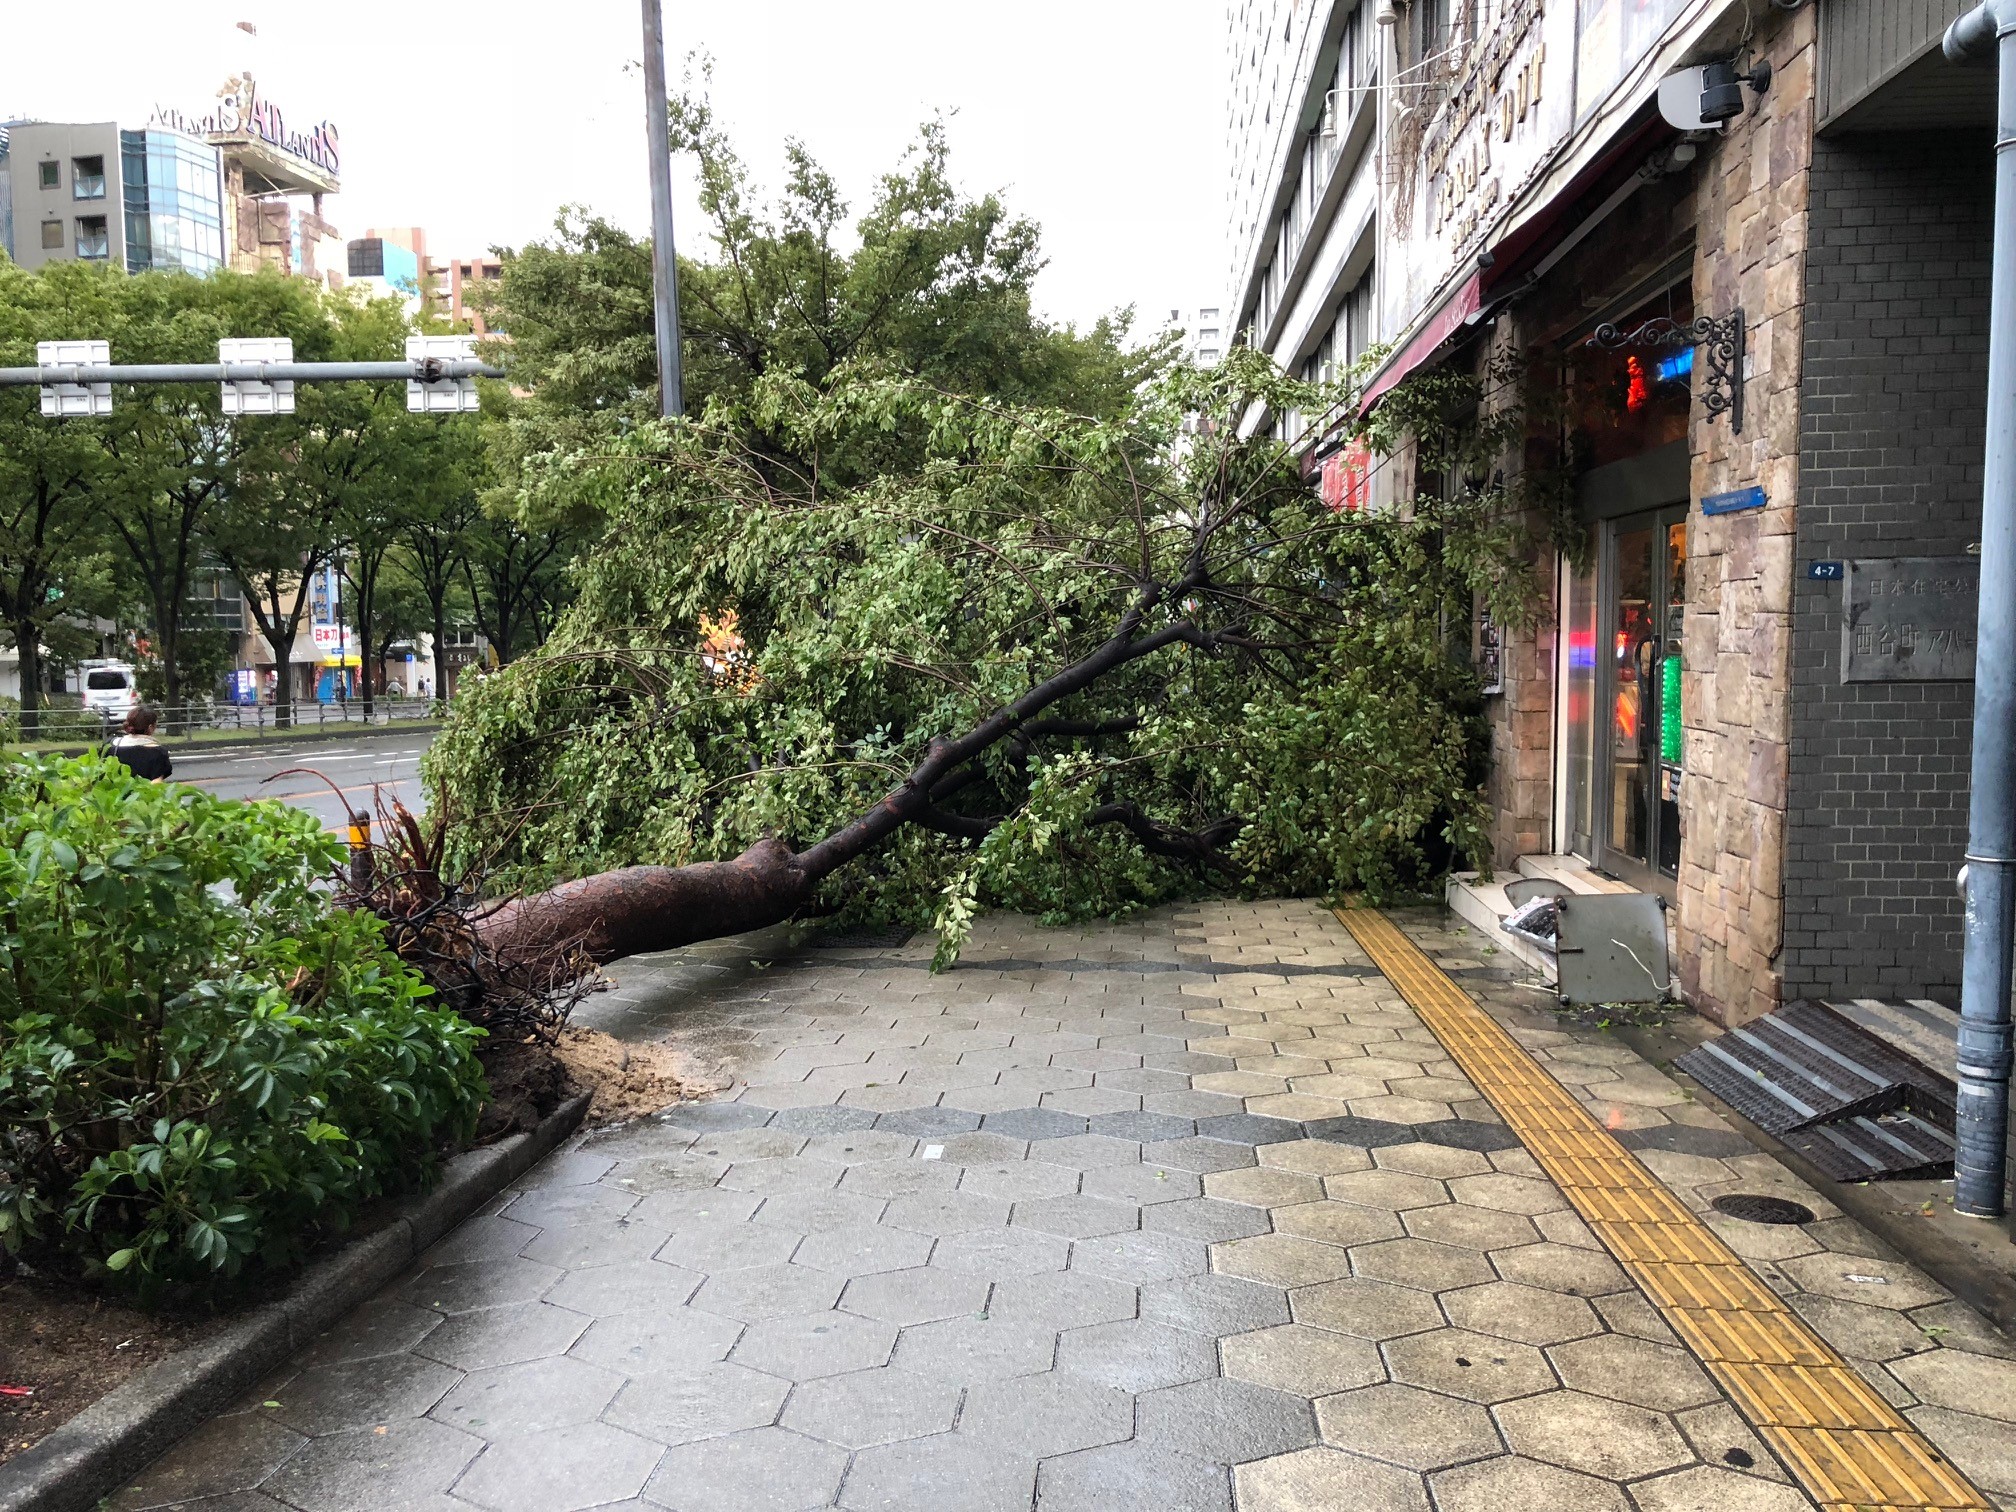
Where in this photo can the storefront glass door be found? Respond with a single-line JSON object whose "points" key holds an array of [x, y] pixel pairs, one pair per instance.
{"points": [[1644, 589]]}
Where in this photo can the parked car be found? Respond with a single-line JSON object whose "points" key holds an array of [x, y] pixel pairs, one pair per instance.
{"points": [[110, 690]]}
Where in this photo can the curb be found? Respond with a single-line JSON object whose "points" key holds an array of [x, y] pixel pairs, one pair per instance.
{"points": [[297, 735], [120, 1434]]}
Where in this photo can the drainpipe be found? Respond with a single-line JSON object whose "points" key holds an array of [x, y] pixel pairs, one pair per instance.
{"points": [[1987, 35]]}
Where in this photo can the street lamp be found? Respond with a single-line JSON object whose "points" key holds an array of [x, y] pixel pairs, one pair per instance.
{"points": [[664, 264]]}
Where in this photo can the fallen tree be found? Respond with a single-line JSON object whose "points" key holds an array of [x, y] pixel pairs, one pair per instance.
{"points": [[1067, 666]]}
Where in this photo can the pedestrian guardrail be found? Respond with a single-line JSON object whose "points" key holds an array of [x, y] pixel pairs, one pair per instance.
{"points": [[68, 724]]}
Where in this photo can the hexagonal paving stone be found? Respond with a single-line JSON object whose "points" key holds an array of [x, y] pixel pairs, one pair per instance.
{"points": [[768, 1291], [1323, 1480], [1071, 1299], [1422, 1430], [1215, 1305], [1395, 1191], [1965, 1382], [977, 1348], [1294, 1357], [1594, 1435], [1224, 1420], [1051, 1413], [760, 1470], [361, 1393], [818, 1344], [1136, 1355], [1142, 1185], [1002, 1253], [1205, 1218], [226, 1454], [1143, 1128], [1339, 1222], [1373, 1310], [861, 1249], [1020, 1180], [1508, 1194], [1140, 1257], [898, 1178], [1199, 1155], [1314, 1157], [1473, 1366], [1498, 1485], [1131, 1475], [1706, 1489], [1893, 1284], [645, 1343], [562, 1206], [1033, 1123], [1561, 1267], [1281, 1260], [948, 1473], [928, 1123], [942, 1213], [504, 1335], [1263, 1186], [1471, 1227], [402, 1463], [378, 1327], [1525, 1313], [603, 1291], [853, 1147], [680, 1406], [1076, 1217], [479, 1283], [716, 1244], [915, 1296], [1655, 1376], [1364, 1133], [1416, 1262], [511, 1400], [872, 1407]]}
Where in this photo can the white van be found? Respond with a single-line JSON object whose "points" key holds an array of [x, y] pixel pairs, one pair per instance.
{"points": [[110, 690]]}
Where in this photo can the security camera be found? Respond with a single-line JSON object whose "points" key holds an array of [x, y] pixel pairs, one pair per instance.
{"points": [[1722, 92]]}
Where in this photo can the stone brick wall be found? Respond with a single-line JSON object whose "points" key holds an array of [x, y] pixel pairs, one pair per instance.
{"points": [[1895, 374], [1750, 216]]}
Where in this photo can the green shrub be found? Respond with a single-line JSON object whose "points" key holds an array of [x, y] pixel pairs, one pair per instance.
{"points": [[204, 1065]]}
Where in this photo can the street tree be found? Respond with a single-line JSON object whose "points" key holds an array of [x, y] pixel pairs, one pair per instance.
{"points": [[53, 560], [1063, 664]]}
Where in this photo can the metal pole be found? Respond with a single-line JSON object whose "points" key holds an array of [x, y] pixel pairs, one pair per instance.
{"points": [[1981, 1109], [664, 261]]}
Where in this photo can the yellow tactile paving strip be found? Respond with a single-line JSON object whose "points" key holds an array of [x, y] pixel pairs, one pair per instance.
{"points": [[1851, 1449]]}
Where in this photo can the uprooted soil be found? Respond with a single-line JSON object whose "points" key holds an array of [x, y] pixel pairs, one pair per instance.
{"points": [[66, 1346]]}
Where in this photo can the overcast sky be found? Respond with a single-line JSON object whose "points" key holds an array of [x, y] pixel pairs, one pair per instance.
{"points": [[1102, 119]]}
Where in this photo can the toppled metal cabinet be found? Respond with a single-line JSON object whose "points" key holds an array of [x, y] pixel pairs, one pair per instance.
{"points": [[1611, 948]]}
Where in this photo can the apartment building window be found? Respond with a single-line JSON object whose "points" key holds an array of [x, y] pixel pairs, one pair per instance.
{"points": [[52, 236], [93, 239], [50, 174], [87, 178]]}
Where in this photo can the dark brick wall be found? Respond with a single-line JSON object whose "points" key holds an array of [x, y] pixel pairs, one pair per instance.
{"points": [[1893, 397]]}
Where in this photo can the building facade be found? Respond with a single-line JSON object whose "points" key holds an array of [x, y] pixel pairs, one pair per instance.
{"points": [[1750, 330], [138, 198]]}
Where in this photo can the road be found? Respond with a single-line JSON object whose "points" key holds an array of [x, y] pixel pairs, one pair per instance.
{"points": [[327, 778]]}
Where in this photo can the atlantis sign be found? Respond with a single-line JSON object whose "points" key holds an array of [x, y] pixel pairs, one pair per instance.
{"points": [[243, 114]]}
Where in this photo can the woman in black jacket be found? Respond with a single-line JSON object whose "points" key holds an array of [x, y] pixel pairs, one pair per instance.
{"points": [[138, 748]]}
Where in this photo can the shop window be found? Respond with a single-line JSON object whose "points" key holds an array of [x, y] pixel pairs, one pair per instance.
{"points": [[87, 178], [49, 175], [52, 236]]}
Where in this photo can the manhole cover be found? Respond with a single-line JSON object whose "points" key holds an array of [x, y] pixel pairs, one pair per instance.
{"points": [[1752, 1208]]}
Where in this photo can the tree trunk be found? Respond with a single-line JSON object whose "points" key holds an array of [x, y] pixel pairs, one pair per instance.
{"points": [[638, 909], [438, 602], [28, 643]]}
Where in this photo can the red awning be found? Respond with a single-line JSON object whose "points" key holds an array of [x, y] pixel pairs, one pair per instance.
{"points": [[1444, 323]]}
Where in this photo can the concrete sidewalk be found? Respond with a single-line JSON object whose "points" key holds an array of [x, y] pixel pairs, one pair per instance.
{"points": [[1190, 1213]]}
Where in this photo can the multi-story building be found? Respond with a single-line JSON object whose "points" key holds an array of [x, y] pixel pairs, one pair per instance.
{"points": [[390, 263], [140, 199], [1754, 309], [1202, 332], [455, 281], [275, 181]]}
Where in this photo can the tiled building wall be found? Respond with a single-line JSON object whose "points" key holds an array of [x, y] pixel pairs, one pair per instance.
{"points": [[1750, 216], [1895, 369]]}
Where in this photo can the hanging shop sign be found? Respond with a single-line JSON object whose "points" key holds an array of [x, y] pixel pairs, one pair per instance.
{"points": [[1491, 106], [1910, 619]]}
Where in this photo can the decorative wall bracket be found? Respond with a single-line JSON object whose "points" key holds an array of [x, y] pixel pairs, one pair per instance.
{"points": [[1721, 380]]}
